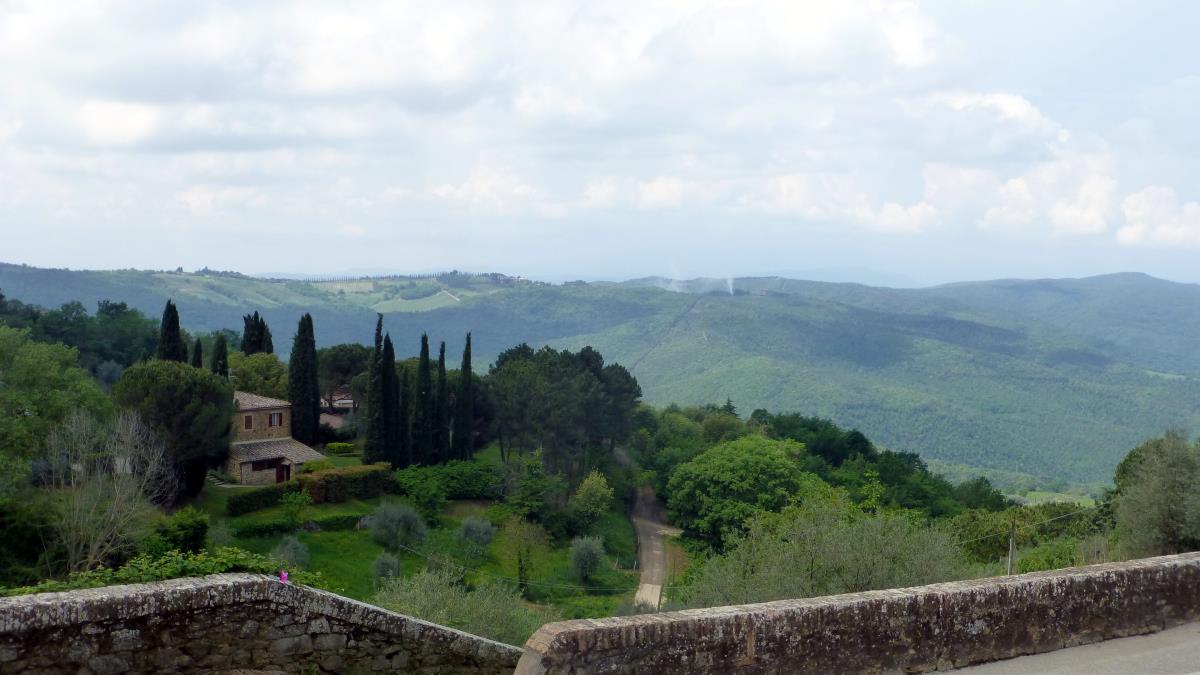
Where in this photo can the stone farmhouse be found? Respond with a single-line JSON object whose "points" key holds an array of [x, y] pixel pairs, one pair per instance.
{"points": [[263, 450]]}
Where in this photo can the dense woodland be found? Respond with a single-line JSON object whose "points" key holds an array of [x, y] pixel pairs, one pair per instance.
{"points": [[1054, 378], [456, 492]]}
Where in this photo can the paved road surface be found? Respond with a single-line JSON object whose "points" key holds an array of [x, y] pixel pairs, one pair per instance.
{"points": [[1170, 652], [650, 521]]}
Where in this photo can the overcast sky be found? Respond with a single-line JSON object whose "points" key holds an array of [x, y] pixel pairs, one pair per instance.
{"points": [[885, 141]]}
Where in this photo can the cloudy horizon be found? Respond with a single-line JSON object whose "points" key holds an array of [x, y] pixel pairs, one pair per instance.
{"points": [[917, 142]]}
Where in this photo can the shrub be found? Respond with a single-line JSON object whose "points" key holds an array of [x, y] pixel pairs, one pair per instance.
{"points": [[331, 485], [248, 501], [492, 610], [340, 448], [1050, 555], [293, 505], [429, 498], [318, 465], [184, 530], [587, 554], [477, 531], [470, 480], [171, 565], [347, 521], [386, 566], [291, 551], [396, 525]]}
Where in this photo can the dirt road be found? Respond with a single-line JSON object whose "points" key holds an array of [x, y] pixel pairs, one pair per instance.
{"points": [[650, 521]]}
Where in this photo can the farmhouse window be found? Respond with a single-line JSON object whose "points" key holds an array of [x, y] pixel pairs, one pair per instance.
{"points": [[275, 420], [249, 421]]}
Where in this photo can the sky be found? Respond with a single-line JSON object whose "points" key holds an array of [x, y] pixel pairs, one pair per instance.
{"points": [[905, 143]]}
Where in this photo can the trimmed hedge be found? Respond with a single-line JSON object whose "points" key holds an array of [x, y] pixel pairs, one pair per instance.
{"points": [[331, 485], [459, 479], [340, 449]]}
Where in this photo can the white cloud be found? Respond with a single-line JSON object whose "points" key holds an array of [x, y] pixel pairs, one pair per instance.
{"points": [[1154, 216], [118, 122], [664, 192], [1072, 195], [202, 199]]}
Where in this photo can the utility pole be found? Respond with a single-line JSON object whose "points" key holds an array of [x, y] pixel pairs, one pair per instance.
{"points": [[1012, 543]]}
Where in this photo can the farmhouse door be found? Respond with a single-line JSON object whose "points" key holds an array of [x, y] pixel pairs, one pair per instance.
{"points": [[283, 472]]}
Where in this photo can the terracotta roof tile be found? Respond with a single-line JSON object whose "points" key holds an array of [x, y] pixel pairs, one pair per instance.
{"points": [[244, 400], [288, 448]]}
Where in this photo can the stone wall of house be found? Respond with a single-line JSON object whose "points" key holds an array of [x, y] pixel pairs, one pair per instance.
{"points": [[246, 475], [228, 621], [919, 629], [261, 422]]}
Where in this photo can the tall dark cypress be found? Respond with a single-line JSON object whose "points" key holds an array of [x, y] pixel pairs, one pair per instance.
{"points": [[220, 356], [250, 338], [391, 412], [441, 411], [265, 331], [404, 418], [464, 408], [423, 449], [171, 346], [256, 335], [303, 389], [375, 449], [198, 354]]}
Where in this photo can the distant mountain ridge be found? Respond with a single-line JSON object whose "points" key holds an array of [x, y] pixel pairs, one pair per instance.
{"points": [[1055, 377]]}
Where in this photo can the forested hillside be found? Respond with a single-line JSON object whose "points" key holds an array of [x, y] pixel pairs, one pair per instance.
{"points": [[1049, 377]]}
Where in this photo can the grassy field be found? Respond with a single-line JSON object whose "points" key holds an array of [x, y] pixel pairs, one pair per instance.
{"points": [[345, 557]]}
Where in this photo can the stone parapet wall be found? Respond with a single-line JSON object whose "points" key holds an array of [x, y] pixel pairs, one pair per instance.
{"points": [[228, 621], [920, 629]]}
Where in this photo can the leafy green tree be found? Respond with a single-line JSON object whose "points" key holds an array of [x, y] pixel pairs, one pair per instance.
{"points": [[715, 495], [260, 373], [40, 384], [198, 354], [591, 499], [189, 408], [303, 388], [220, 357], [441, 411], [1158, 503], [424, 451], [171, 346], [463, 437], [256, 335]]}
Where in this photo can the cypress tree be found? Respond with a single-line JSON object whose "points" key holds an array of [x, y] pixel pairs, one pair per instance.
{"points": [[256, 335], [250, 339], [464, 408], [375, 449], [441, 411], [404, 418], [390, 390], [423, 449], [303, 389], [171, 346], [220, 357], [198, 354]]}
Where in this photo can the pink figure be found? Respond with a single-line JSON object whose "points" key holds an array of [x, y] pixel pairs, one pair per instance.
{"points": [[283, 576]]}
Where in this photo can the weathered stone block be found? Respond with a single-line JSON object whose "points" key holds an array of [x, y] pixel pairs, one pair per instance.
{"points": [[108, 665]]}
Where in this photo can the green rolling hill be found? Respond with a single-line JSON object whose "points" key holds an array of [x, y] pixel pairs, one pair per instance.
{"points": [[1049, 377]]}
